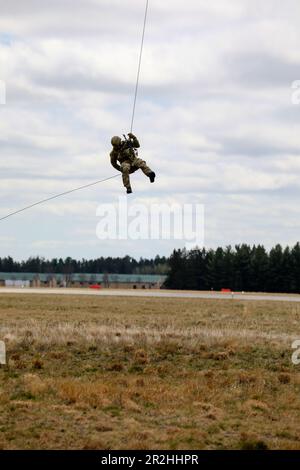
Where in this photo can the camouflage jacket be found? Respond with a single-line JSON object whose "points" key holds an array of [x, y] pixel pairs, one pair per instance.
{"points": [[123, 153]]}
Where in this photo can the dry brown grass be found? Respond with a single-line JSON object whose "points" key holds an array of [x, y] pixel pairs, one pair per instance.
{"points": [[131, 373]]}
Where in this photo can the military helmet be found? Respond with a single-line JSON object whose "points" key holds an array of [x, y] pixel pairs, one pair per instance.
{"points": [[116, 140]]}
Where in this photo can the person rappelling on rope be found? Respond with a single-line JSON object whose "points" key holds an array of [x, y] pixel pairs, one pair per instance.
{"points": [[124, 158]]}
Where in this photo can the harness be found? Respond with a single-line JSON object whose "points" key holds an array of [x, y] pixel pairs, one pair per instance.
{"points": [[128, 148]]}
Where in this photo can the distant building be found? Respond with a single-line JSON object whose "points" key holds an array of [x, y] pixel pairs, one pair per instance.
{"points": [[112, 281]]}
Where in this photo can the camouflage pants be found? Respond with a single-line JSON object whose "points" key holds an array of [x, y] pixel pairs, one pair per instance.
{"points": [[129, 167]]}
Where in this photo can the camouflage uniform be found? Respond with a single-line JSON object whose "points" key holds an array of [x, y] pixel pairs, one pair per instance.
{"points": [[129, 162]]}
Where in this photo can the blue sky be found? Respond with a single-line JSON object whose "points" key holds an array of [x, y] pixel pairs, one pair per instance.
{"points": [[5, 38], [214, 116]]}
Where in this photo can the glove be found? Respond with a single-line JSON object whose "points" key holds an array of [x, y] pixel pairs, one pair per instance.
{"points": [[131, 136]]}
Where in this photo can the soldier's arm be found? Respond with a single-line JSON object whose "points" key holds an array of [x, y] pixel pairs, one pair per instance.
{"points": [[134, 140], [114, 162]]}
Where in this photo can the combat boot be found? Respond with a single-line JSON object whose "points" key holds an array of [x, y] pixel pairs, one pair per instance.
{"points": [[151, 176]]}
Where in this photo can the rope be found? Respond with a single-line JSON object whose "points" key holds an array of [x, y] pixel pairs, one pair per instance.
{"points": [[56, 196], [131, 128], [139, 66]]}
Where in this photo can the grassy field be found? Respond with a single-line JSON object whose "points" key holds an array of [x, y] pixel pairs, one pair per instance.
{"points": [[129, 373]]}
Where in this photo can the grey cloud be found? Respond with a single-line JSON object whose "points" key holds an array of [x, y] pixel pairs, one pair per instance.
{"points": [[255, 147], [257, 69], [207, 107]]}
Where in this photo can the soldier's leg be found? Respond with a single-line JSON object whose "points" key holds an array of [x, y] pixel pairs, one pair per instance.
{"points": [[141, 164], [125, 166]]}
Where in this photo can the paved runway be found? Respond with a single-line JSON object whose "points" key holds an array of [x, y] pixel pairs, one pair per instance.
{"points": [[153, 293]]}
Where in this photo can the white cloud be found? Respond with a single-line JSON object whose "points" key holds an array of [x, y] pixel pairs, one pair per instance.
{"points": [[214, 115]]}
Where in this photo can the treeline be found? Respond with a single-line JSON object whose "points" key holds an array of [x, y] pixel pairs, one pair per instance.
{"points": [[125, 265], [243, 268]]}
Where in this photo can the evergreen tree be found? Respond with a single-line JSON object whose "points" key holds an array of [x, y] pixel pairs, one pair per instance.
{"points": [[276, 275], [259, 269], [295, 269], [177, 275], [242, 267]]}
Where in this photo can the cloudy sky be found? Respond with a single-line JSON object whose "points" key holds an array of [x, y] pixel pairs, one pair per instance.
{"points": [[214, 116]]}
